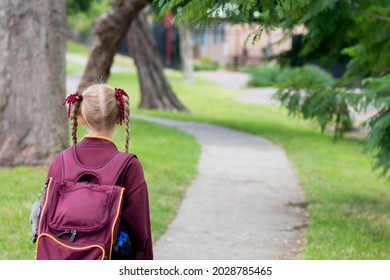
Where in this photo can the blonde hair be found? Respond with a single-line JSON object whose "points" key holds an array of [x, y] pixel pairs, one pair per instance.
{"points": [[100, 109]]}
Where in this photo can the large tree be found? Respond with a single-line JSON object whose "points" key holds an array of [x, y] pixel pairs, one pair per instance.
{"points": [[32, 81]]}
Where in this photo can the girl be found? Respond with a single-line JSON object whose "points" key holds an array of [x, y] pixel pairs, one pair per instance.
{"points": [[100, 107]]}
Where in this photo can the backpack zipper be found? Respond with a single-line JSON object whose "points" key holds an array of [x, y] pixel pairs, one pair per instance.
{"points": [[73, 233], [73, 236]]}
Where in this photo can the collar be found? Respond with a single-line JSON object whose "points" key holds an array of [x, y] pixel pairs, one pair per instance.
{"points": [[101, 137], [98, 141]]}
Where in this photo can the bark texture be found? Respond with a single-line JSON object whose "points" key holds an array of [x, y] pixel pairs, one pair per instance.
{"points": [[32, 81], [108, 29], [156, 93], [186, 52]]}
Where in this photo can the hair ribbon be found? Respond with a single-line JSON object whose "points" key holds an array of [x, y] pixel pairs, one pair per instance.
{"points": [[71, 99]]}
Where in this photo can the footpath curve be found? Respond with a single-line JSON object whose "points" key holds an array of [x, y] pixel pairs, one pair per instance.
{"points": [[243, 203]]}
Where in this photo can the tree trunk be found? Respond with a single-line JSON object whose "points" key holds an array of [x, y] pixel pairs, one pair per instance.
{"points": [[108, 29], [32, 81], [156, 93], [186, 52]]}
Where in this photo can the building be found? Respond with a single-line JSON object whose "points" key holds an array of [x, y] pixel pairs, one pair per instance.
{"points": [[231, 44]]}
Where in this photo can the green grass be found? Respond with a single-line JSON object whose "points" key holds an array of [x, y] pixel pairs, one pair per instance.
{"points": [[20, 187], [76, 48], [349, 205], [124, 61], [169, 158], [82, 50], [73, 67]]}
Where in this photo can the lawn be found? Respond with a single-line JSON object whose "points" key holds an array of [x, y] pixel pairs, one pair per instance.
{"points": [[74, 48]]}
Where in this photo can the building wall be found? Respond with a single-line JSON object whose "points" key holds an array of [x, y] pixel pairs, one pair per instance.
{"points": [[225, 43]]}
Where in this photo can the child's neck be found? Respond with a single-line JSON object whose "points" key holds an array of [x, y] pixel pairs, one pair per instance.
{"points": [[99, 134]]}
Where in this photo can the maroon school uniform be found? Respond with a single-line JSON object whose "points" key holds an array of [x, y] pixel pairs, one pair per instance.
{"points": [[135, 212]]}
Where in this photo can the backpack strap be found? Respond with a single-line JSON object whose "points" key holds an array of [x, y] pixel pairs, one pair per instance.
{"points": [[107, 174]]}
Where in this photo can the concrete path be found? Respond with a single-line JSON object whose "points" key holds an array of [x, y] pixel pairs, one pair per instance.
{"points": [[237, 81], [243, 203]]}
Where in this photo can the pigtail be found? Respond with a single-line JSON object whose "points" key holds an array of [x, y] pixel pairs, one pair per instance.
{"points": [[73, 102], [124, 113], [127, 123], [73, 121]]}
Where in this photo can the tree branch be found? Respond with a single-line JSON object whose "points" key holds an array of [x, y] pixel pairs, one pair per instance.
{"points": [[375, 16]]}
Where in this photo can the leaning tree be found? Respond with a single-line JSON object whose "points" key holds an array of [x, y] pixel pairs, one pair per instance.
{"points": [[155, 89], [108, 29], [32, 81]]}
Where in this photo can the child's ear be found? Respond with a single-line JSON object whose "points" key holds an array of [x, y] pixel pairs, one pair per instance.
{"points": [[80, 119]]}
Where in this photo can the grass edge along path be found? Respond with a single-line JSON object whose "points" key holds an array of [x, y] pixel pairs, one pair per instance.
{"points": [[169, 158], [348, 203]]}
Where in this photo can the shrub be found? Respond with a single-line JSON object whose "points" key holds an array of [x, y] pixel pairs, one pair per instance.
{"points": [[205, 63], [264, 75], [309, 91], [307, 76]]}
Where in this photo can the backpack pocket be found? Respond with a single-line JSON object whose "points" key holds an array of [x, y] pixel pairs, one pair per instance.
{"points": [[81, 207], [51, 248]]}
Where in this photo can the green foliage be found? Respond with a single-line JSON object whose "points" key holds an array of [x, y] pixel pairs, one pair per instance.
{"points": [[205, 63], [203, 13], [371, 55], [76, 6], [264, 76], [378, 93], [80, 20], [351, 28], [306, 77], [308, 91], [360, 30]]}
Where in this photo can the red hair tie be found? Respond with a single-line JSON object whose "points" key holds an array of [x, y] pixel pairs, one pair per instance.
{"points": [[119, 95], [71, 99]]}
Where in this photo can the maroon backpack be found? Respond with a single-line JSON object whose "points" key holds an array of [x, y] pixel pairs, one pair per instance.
{"points": [[80, 218]]}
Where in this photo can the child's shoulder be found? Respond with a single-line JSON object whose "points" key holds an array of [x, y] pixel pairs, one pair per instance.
{"points": [[57, 157], [56, 162], [55, 166]]}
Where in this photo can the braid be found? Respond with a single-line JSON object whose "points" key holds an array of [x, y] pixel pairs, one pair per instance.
{"points": [[73, 121], [127, 123]]}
